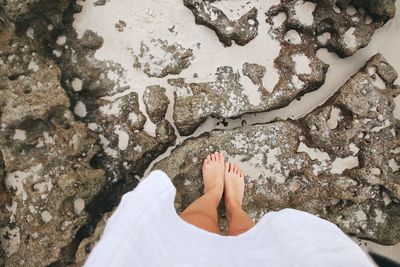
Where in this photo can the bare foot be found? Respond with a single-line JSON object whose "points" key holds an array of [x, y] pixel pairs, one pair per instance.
{"points": [[234, 187], [213, 174]]}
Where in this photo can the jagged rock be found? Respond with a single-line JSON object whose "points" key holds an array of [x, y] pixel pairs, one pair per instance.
{"points": [[384, 9], [46, 155], [305, 27], [19, 11], [2, 15], [101, 2], [111, 110], [240, 31], [112, 115], [341, 30], [86, 246], [37, 20], [47, 171], [119, 124], [156, 102], [4, 199], [78, 64], [173, 61], [29, 79], [233, 94], [255, 73], [340, 162]]}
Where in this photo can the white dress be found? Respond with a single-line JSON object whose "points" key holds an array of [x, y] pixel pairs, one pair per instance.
{"points": [[145, 230]]}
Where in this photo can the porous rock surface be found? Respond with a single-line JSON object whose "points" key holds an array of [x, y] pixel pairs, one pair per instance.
{"points": [[240, 31], [301, 27], [45, 157], [172, 59], [110, 108], [29, 79], [156, 102], [111, 111], [340, 162], [228, 95], [341, 28], [18, 11], [67, 151], [384, 9], [86, 246]]}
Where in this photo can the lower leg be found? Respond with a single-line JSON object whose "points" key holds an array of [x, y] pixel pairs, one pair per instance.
{"points": [[203, 213], [238, 220]]}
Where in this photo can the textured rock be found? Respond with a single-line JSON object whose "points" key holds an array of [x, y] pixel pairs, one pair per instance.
{"points": [[168, 59], [340, 162], [233, 94], [101, 2], [45, 181], [29, 79], [384, 9], [156, 102], [4, 199], [240, 31], [110, 108], [25, 10], [119, 124], [86, 246], [301, 28], [45, 156], [338, 29]]}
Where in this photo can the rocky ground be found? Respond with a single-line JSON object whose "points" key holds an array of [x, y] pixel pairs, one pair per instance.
{"points": [[339, 162], [82, 119]]}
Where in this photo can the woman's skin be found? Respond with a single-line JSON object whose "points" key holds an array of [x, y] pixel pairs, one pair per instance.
{"points": [[219, 177]]}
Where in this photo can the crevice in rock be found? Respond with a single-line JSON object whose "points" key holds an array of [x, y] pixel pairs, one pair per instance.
{"points": [[354, 196]]}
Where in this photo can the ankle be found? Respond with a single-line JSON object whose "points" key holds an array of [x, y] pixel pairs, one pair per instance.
{"points": [[215, 195], [232, 207]]}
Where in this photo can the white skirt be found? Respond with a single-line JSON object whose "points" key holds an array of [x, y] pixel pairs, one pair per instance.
{"points": [[145, 230]]}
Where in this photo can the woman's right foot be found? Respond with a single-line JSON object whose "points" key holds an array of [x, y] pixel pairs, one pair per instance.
{"points": [[234, 188]]}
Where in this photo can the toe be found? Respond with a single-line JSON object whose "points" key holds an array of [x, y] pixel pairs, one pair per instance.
{"points": [[221, 157], [208, 159], [217, 157], [213, 156], [226, 167]]}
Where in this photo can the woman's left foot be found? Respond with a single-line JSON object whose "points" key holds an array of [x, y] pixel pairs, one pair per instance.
{"points": [[213, 174]]}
